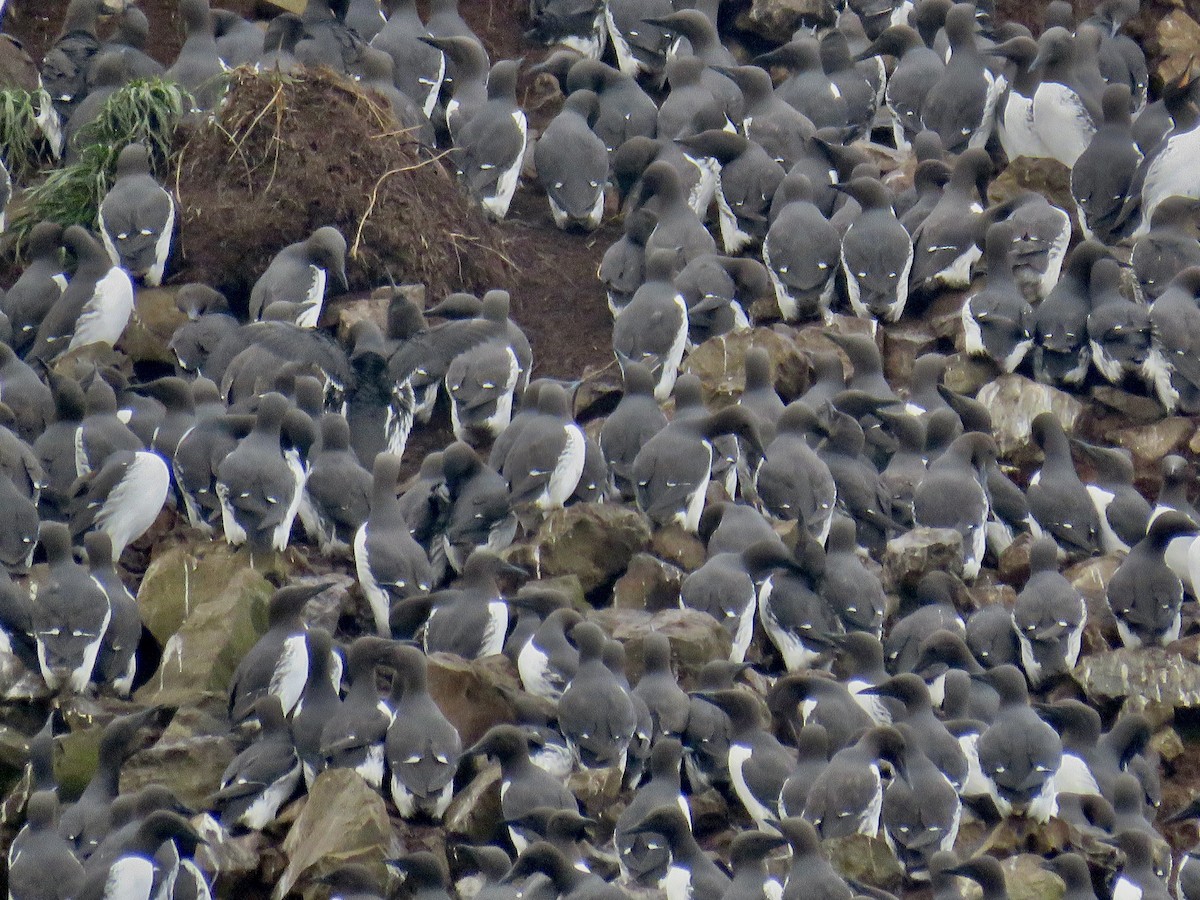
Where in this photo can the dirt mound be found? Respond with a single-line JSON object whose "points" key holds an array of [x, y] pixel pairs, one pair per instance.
{"points": [[292, 153]]}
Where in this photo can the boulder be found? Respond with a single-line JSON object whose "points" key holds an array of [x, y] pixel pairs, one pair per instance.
{"points": [[468, 692], [343, 821], [191, 767], [17, 68], [902, 344], [1025, 879], [720, 363], [1150, 443], [678, 547], [147, 337], [347, 312], [696, 638], [598, 791], [648, 584], [908, 558], [199, 659], [326, 608], [1140, 409], [593, 541], [865, 860], [183, 578], [775, 20], [474, 812], [1164, 675], [966, 374], [1047, 177], [1177, 35], [1014, 402]]}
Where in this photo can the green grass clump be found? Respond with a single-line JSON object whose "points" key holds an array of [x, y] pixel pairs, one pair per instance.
{"points": [[142, 111], [23, 146]]}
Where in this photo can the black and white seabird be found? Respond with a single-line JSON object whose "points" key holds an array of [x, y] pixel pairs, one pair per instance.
{"points": [[1066, 107], [801, 251], [299, 274], [1171, 245], [1048, 617], [70, 615], [523, 786], [198, 69], [123, 497], [137, 218], [39, 286], [644, 856], [918, 69], [794, 483], [927, 733], [548, 660], [95, 306], [847, 797], [921, 813], [659, 689], [470, 618], [672, 470], [623, 109], [1104, 173], [1019, 753], [261, 778], [419, 68], [1061, 354], [1123, 512], [996, 317], [278, 664], [636, 418], [337, 492], [65, 68], [352, 736], [390, 564], [480, 511], [545, 462], [1119, 330], [595, 712], [490, 145], [38, 849], [877, 254], [318, 702], [1145, 594], [258, 487], [951, 495], [132, 873], [1058, 500], [116, 663], [678, 227], [572, 164], [851, 590], [961, 104], [944, 244], [422, 747], [1041, 233], [690, 873]]}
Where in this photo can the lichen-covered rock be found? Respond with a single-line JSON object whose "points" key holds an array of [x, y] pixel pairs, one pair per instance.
{"points": [[720, 363], [1048, 177], [468, 692], [907, 558], [696, 638], [343, 821], [147, 337], [775, 20], [648, 584], [678, 547], [866, 860], [1164, 675], [474, 812], [189, 766], [1150, 443], [1014, 402], [593, 541]]}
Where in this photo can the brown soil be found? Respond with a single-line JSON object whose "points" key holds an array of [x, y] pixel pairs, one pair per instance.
{"points": [[272, 169]]}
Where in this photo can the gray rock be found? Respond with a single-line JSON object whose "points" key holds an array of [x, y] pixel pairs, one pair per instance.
{"points": [[475, 810], [720, 363], [1164, 675], [1014, 402], [191, 767], [696, 638], [867, 860], [343, 821], [907, 558], [592, 541], [648, 584], [468, 692]]}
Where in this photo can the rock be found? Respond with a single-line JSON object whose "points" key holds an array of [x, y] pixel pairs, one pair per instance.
{"points": [[907, 558], [720, 365], [1177, 35], [1138, 408], [696, 638], [1048, 177], [1166, 675], [593, 541], [346, 313], [468, 692], [945, 317], [199, 659], [709, 810], [232, 858], [775, 20], [1013, 566], [475, 810], [183, 578], [326, 608], [902, 344], [292, 6], [648, 584], [866, 860], [191, 767], [1025, 879], [148, 335], [1150, 443], [598, 790], [1167, 744], [966, 374], [343, 821], [678, 547], [1014, 402]]}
